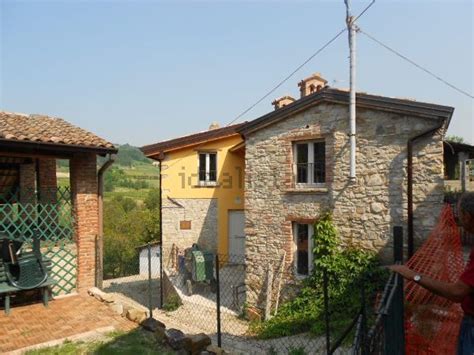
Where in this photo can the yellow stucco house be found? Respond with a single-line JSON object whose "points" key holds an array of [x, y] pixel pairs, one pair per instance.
{"points": [[203, 191]]}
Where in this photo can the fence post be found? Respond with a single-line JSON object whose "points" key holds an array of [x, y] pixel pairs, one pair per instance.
{"points": [[161, 275], [363, 324], [326, 311], [218, 303], [150, 307], [398, 302], [398, 244]]}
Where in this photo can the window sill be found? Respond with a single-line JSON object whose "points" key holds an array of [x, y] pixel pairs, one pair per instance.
{"points": [[309, 190], [207, 184], [299, 277]]}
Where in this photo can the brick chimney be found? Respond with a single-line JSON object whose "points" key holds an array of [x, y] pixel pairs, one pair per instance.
{"points": [[214, 125], [282, 101], [312, 84]]}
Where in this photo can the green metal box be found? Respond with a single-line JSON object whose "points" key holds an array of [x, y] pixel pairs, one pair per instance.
{"points": [[199, 266]]}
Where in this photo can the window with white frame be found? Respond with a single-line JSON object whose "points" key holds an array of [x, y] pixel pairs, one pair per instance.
{"points": [[310, 162], [303, 248], [207, 168]]}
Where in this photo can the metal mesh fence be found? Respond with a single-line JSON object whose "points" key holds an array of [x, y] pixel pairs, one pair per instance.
{"points": [[137, 282], [239, 323], [209, 294], [385, 335], [382, 331]]}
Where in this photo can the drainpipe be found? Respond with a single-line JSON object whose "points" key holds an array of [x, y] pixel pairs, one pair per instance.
{"points": [[100, 237], [161, 157], [410, 143]]}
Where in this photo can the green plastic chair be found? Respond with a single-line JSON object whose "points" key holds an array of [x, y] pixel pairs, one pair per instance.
{"points": [[28, 271]]}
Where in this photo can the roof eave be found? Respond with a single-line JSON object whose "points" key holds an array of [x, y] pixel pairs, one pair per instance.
{"points": [[51, 148], [363, 100], [151, 152]]}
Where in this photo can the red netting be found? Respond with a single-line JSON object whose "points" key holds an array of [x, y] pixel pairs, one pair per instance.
{"points": [[432, 322]]}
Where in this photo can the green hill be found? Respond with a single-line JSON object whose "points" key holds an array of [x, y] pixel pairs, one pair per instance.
{"points": [[132, 174]]}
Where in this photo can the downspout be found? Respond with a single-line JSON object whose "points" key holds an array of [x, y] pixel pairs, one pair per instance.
{"points": [[100, 237], [410, 143], [161, 157]]}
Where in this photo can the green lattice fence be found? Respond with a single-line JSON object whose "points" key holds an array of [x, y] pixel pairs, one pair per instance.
{"points": [[49, 212]]}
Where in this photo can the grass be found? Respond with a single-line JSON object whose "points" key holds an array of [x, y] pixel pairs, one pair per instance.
{"points": [[138, 341], [142, 169]]}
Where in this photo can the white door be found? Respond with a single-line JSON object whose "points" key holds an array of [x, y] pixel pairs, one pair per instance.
{"points": [[237, 235]]}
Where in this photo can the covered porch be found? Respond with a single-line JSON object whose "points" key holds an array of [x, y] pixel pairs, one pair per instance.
{"points": [[61, 218]]}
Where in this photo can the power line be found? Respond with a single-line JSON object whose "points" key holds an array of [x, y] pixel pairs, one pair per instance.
{"points": [[289, 75], [416, 65], [279, 84], [300, 66], [364, 11]]}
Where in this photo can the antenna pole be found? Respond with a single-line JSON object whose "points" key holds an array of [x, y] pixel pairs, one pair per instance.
{"points": [[351, 29]]}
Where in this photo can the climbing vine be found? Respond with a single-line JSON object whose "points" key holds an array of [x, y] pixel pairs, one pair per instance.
{"points": [[346, 267]]}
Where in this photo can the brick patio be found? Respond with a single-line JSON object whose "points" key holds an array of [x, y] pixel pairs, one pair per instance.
{"points": [[34, 324]]}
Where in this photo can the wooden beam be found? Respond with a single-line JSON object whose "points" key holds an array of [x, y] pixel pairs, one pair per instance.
{"points": [[32, 154]]}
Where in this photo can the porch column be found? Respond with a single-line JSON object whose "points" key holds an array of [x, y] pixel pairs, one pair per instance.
{"points": [[83, 171], [47, 180], [27, 183]]}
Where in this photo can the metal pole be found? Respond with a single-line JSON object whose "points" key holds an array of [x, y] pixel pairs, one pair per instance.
{"points": [[326, 311], [364, 317], [463, 171], [351, 27], [161, 238], [398, 308], [398, 244], [150, 307], [218, 303]]}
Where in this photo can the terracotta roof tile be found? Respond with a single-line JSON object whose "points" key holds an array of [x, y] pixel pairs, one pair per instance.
{"points": [[45, 129]]}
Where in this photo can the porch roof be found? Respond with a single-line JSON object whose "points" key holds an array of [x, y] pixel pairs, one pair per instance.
{"points": [[40, 133]]}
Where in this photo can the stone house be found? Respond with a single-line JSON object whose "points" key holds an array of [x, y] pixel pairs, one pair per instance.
{"points": [[297, 167], [296, 161], [68, 218]]}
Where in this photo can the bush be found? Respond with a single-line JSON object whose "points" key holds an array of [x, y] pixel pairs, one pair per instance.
{"points": [[348, 270], [172, 304]]}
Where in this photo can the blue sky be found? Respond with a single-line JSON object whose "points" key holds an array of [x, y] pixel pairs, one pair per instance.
{"points": [[143, 71]]}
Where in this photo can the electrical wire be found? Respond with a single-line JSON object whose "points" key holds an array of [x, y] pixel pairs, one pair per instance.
{"points": [[289, 76], [312, 56], [415, 64]]}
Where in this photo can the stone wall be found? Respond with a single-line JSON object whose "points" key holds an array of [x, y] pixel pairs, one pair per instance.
{"points": [[200, 213], [364, 211]]}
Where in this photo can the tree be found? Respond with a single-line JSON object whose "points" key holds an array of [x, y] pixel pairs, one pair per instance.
{"points": [[128, 225], [455, 139], [152, 199]]}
